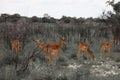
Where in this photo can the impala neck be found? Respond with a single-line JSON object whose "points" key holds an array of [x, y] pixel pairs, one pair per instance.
{"points": [[60, 43], [111, 41], [38, 44]]}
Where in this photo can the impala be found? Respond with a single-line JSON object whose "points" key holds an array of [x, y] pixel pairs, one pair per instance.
{"points": [[82, 46], [54, 48], [16, 45], [51, 49], [105, 46]]}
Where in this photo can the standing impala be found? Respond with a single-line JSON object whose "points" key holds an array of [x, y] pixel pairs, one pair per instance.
{"points": [[54, 48], [105, 46], [51, 49], [82, 46], [16, 45]]}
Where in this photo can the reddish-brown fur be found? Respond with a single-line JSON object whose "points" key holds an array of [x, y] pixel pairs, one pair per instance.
{"points": [[15, 44], [51, 49], [82, 46], [54, 48], [105, 46], [42, 46]]}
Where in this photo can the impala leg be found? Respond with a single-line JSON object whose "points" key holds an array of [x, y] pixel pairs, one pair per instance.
{"points": [[108, 52], [12, 48], [79, 53], [47, 58], [101, 52], [20, 47], [48, 55], [90, 54], [59, 53], [53, 57], [16, 58], [18, 50], [85, 57], [15, 50]]}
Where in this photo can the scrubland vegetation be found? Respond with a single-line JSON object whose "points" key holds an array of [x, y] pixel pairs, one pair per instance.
{"points": [[31, 64]]}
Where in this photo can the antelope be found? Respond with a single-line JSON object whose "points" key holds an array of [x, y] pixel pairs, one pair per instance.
{"points": [[51, 49], [82, 46], [54, 48], [16, 45], [105, 46]]}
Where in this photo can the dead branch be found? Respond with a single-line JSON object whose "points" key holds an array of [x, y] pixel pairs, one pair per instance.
{"points": [[27, 59]]}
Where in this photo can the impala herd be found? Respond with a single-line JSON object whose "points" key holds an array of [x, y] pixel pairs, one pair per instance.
{"points": [[52, 50]]}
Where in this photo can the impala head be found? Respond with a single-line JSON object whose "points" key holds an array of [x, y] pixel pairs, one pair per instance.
{"points": [[63, 41], [36, 41], [112, 39]]}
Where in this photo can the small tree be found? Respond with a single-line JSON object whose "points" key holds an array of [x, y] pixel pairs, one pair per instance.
{"points": [[114, 20]]}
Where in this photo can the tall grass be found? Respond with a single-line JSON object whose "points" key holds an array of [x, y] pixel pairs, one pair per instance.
{"points": [[47, 32]]}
